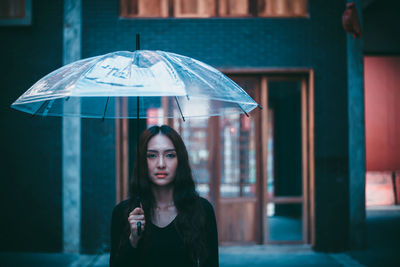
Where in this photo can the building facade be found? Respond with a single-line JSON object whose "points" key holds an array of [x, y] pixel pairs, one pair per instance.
{"points": [[291, 173]]}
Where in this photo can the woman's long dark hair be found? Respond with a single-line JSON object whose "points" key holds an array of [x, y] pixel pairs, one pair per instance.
{"points": [[190, 221]]}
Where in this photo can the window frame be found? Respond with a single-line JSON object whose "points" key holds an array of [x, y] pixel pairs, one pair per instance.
{"points": [[25, 21]]}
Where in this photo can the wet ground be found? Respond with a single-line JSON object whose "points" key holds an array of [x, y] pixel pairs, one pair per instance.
{"points": [[383, 249]]}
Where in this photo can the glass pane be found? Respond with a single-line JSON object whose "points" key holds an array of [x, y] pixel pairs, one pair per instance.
{"points": [[188, 7], [284, 140], [144, 8], [194, 134], [233, 7], [12, 9], [194, 8], [282, 8], [238, 163], [285, 222], [152, 8]]}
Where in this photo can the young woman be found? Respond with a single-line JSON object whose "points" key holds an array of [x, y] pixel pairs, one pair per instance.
{"points": [[178, 226]]}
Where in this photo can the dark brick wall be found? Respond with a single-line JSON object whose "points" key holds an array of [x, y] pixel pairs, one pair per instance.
{"points": [[318, 42], [98, 183], [30, 183]]}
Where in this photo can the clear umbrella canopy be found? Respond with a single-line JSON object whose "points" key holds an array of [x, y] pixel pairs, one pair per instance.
{"points": [[112, 85]]}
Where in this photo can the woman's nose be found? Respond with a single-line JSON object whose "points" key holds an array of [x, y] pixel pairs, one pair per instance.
{"points": [[161, 162]]}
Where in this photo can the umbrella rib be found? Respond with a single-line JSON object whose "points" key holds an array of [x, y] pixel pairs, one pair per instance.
{"points": [[105, 109], [243, 110], [176, 99], [189, 71], [94, 59], [48, 107], [42, 106]]}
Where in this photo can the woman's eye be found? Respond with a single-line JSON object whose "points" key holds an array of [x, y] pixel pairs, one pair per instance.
{"points": [[151, 156], [171, 155]]}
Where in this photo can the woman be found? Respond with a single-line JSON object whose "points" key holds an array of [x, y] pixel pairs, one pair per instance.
{"points": [[179, 227]]}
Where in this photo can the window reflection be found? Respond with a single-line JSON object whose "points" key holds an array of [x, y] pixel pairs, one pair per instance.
{"points": [[238, 170], [194, 133]]}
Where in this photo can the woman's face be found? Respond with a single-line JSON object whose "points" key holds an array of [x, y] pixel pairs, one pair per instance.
{"points": [[161, 160]]}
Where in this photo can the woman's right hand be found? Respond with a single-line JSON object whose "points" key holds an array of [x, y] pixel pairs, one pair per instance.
{"points": [[135, 216]]}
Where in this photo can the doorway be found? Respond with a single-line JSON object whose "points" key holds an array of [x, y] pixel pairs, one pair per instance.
{"points": [[287, 156]]}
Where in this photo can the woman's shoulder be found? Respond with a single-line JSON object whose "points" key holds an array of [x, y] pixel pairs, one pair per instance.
{"points": [[123, 203], [121, 206], [208, 207]]}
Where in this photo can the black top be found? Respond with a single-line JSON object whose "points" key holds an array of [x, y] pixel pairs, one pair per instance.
{"points": [[166, 247]]}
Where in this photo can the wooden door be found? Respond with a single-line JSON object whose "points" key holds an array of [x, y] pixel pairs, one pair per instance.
{"points": [[238, 217]]}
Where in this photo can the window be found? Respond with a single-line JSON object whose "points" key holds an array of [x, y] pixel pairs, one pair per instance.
{"points": [[194, 8], [143, 8], [195, 135], [212, 8], [238, 156], [282, 8], [15, 12], [233, 8]]}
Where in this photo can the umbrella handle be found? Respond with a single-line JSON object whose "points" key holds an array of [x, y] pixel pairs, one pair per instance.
{"points": [[139, 228], [138, 224]]}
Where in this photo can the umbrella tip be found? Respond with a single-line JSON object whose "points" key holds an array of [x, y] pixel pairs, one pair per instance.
{"points": [[260, 107]]}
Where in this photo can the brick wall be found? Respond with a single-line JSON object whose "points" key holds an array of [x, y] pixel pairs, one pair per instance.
{"points": [[30, 183]]}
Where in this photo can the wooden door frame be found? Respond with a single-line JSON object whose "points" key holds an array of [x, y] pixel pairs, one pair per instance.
{"points": [[121, 152], [306, 77]]}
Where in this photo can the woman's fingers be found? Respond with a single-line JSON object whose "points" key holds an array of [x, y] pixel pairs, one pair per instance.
{"points": [[137, 211], [133, 221], [136, 217]]}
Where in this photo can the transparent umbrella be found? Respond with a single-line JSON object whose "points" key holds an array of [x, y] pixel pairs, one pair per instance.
{"points": [[144, 79]]}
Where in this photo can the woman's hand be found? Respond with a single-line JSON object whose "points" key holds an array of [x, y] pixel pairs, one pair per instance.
{"points": [[135, 216]]}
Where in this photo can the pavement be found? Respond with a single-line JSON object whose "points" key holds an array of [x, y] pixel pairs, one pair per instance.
{"points": [[383, 238], [277, 255], [383, 249]]}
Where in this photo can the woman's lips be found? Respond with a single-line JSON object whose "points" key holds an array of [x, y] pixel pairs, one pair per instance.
{"points": [[161, 175]]}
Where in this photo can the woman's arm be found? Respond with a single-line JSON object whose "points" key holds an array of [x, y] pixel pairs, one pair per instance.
{"points": [[122, 253]]}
